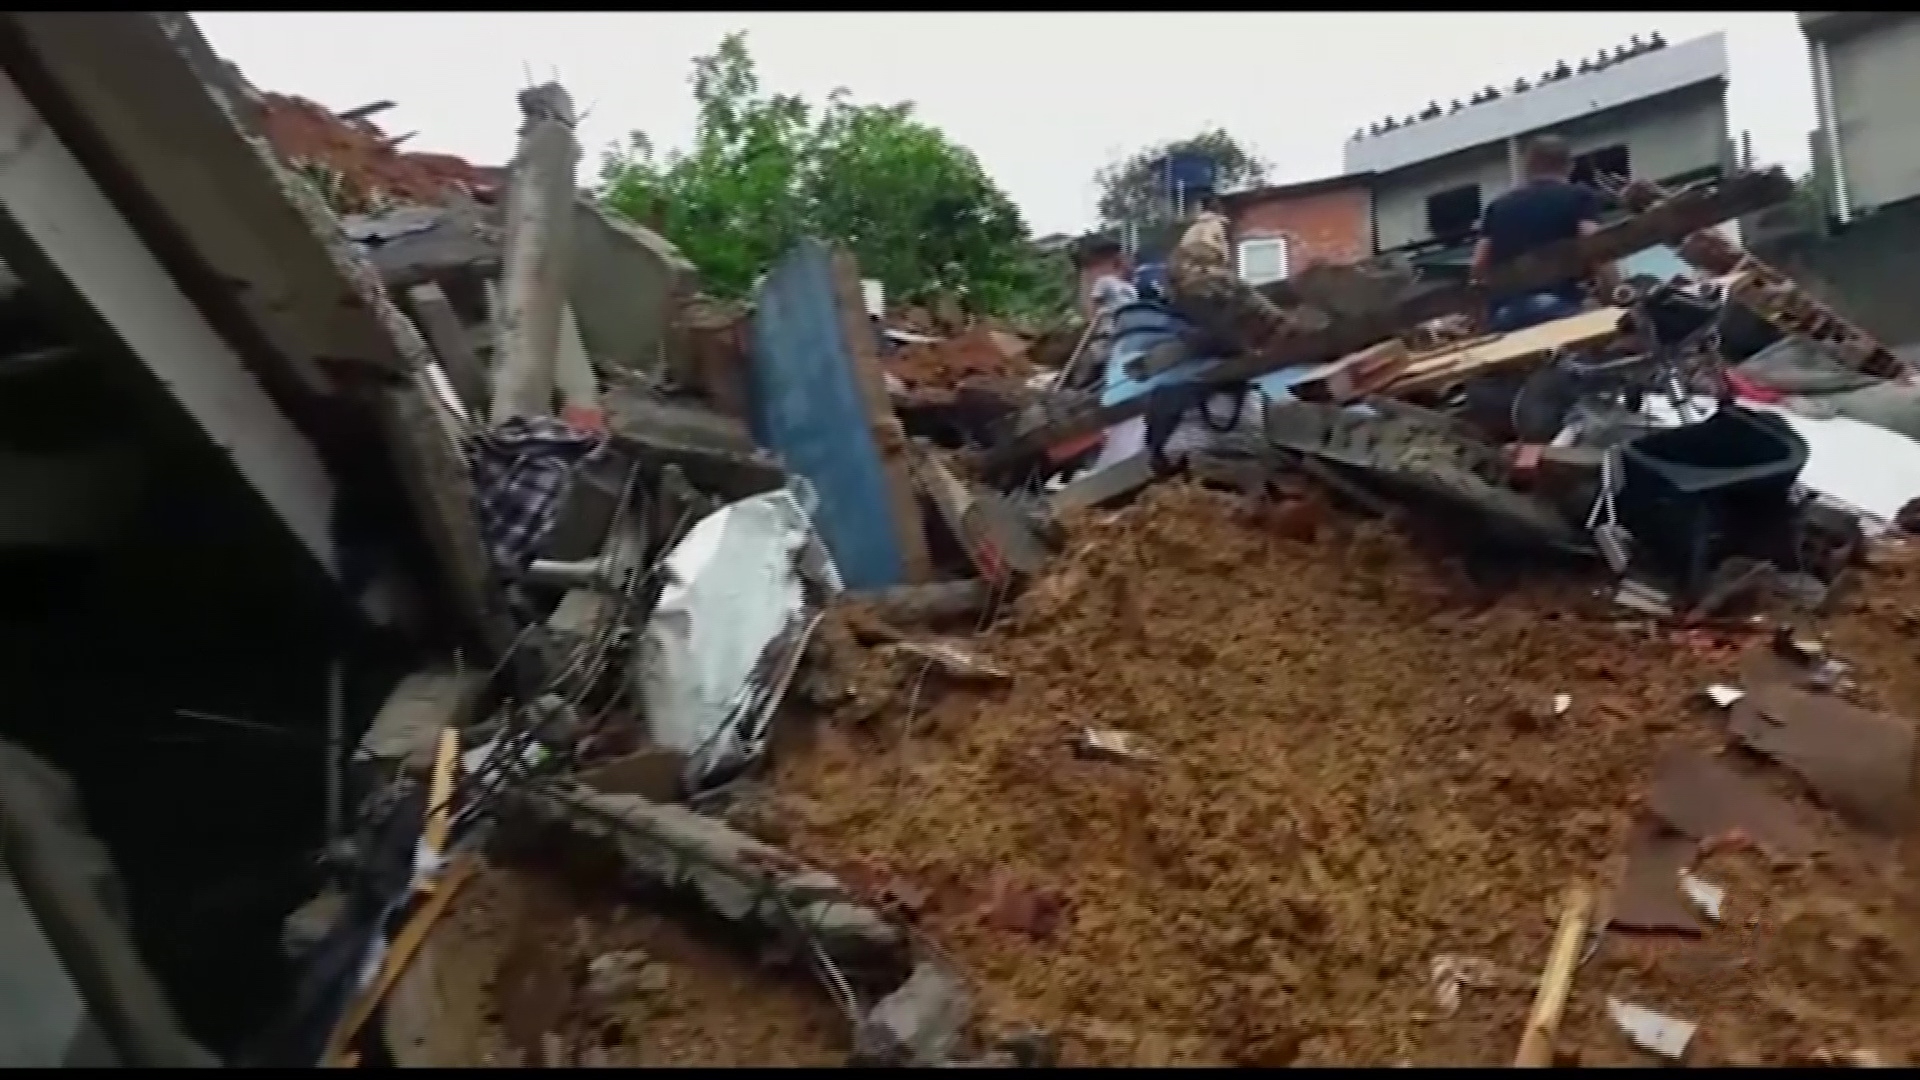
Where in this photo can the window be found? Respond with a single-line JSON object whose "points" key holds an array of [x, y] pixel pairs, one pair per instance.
{"points": [[1263, 260], [1606, 161], [1454, 212]]}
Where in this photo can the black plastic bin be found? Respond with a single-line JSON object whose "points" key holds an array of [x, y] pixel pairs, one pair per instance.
{"points": [[1692, 495]]}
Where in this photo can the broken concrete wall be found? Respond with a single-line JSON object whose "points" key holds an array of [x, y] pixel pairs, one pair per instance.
{"points": [[627, 286], [1863, 272]]}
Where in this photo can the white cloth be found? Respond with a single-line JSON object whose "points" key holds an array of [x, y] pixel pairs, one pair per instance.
{"points": [[1111, 291]]}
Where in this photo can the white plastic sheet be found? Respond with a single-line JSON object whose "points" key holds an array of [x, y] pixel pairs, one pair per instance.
{"points": [[733, 589]]}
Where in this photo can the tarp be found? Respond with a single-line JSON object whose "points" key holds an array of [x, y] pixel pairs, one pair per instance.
{"points": [[732, 613]]}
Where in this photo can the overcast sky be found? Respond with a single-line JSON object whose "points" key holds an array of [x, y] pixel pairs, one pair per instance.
{"points": [[1043, 99]]}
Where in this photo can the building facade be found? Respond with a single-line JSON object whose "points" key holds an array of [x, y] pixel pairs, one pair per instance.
{"points": [[1280, 230], [1656, 112], [1866, 83]]}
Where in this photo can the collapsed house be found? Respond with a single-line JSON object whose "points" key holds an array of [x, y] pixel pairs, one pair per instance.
{"points": [[215, 553], [447, 544]]}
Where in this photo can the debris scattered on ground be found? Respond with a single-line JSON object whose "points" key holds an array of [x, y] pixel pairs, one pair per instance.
{"points": [[1239, 654], [1705, 895], [1859, 1059], [979, 357], [951, 660], [919, 1024], [1859, 762], [1723, 695], [370, 169], [1110, 745], [1652, 1031], [1649, 896], [1363, 801], [1452, 974], [1701, 797]]}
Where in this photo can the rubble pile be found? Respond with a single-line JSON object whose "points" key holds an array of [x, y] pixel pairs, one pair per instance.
{"points": [[1295, 775], [1350, 766], [548, 973], [365, 159], [981, 357]]}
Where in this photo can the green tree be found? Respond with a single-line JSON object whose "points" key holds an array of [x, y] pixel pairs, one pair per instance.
{"points": [[1134, 190], [767, 169]]}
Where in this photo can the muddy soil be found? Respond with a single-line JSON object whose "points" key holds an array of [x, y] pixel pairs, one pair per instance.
{"points": [[1357, 769], [300, 130], [975, 358], [534, 971]]}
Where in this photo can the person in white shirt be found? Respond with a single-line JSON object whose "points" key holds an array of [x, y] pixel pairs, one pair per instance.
{"points": [[1102, 260]]}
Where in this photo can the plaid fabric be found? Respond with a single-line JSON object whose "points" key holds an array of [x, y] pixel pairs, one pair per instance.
{"points": [[520, 472]]}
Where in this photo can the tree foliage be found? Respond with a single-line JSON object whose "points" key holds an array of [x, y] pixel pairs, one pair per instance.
{"points": [[766, 169], [1134, 190]]}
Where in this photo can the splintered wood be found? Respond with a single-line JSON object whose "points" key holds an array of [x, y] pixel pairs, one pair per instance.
{"points": [[1437, 371]]}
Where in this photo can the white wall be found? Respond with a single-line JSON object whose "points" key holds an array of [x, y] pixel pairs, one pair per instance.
{"points": [[1688, 63], [1665, 137], [1876, 100]]}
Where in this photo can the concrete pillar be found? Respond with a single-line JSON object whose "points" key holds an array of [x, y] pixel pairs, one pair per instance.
{"points": [[533, 284], [1829, 120]]}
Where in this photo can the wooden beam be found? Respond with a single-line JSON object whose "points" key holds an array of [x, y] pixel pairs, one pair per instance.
{"points": [[1556, 981], [452, 343], [1439, 370], [1668, 221], [362, 112], [339, 1053]]}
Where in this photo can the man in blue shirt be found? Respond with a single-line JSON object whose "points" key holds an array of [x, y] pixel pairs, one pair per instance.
{"points": [[1544, 210]]}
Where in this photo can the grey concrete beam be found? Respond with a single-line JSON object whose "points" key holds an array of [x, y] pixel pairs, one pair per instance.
{"points": [[57, 205]]}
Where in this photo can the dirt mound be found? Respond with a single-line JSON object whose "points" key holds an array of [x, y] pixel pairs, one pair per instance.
{"points": [[303, 131], [533, 972], [1357, 770], [980, 357]]}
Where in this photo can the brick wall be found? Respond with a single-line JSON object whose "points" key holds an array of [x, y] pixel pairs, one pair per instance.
{"points": [[1332, 226]]}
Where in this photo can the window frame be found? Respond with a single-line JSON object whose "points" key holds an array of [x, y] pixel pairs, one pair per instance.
{"points": [[1586, 167], [1282, 242], [1479, 212]]}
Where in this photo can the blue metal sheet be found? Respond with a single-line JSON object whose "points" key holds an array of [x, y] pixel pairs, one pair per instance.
{"points": [[1140, 326], [807, 408]]}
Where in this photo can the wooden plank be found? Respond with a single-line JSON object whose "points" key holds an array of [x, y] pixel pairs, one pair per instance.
{"points": [[1536, 1043], [1508, 350], [339, 1053], [889, 437], [433, 837], [1666, 222], [452, 344]]}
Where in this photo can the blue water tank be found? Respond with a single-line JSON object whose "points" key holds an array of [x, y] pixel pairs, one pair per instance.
{"points": [[1190, 173]]}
